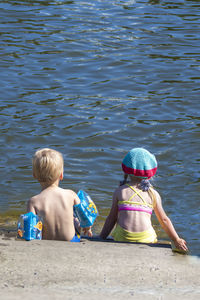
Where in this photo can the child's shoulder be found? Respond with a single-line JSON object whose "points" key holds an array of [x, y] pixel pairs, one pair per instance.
{"points": [[69, 192], [120, 188], [155, 196], [155, 191], [33, 202], [34, 198]]}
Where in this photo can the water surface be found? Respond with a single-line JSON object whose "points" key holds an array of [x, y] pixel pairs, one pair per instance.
{"points": [[94, 79]]}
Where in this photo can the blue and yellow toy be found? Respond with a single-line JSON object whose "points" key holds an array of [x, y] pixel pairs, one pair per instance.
{"points": [[29, 227], [86, 210]]}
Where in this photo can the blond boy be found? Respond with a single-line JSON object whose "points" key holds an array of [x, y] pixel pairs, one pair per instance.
{"points": [[53, 204]]}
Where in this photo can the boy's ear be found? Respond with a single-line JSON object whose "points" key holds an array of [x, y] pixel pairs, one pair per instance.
{"points": [[61, 176]]}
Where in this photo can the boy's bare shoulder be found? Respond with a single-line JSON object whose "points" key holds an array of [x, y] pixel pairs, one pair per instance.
{"points": [[45, 196], [32, 203], [68, 192], [34, 199]]}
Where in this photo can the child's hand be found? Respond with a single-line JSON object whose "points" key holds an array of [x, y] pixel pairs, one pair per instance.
{"points": [[88, 231], [77, 224], [180, 244]]}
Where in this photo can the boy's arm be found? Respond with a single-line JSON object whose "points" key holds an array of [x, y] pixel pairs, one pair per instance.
{"points": [[167, 225], [30, 206], [86, 230], [76, 220], [76, 199], [111, 219]]}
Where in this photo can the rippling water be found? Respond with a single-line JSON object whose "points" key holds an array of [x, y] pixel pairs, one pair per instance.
{"points": [[94, 79]]}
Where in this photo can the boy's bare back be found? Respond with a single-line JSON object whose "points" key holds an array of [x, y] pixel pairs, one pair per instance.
{"points": [[55, 206]]}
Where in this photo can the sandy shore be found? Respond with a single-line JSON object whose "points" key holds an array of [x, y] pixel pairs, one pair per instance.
{"points": [[95, 270]]}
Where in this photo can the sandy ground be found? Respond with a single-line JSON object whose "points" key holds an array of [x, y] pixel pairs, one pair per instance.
{"points": [[94, 269]]}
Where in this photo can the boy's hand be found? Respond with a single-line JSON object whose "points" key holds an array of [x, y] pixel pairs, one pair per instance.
{"points": [[88, 231], [77, 224], [180, 244]]}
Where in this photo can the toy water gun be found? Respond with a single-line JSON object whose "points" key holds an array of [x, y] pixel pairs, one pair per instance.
{"points": [[29, 227], [86, 210]]}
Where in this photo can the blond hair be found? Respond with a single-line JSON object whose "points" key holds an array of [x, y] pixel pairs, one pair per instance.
{"points": [[47, 165]]}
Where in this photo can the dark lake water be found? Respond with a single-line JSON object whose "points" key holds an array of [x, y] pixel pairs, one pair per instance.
{"points": [[94, 79]]}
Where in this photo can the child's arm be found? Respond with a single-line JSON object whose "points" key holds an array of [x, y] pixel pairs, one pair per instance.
{"points": [[86, 230], [30, 206], [76, 199], [167, 225], [111, 219]]}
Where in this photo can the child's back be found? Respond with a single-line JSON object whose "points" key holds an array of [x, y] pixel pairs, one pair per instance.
{"points": [[55, 205], [130, 218]]}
